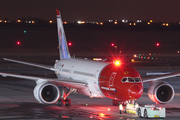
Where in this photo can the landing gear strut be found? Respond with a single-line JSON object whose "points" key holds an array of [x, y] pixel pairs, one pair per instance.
{"points": [[115, 102], [63, 99], [62, 102]]}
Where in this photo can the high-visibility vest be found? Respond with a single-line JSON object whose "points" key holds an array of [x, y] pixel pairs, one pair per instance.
{"points": [[120, 107]]}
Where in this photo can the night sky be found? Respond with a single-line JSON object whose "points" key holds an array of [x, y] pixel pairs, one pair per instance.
{"points": [[92, 10]]}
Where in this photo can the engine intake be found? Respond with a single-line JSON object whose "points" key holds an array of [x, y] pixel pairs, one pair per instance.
{"points": [[161, 92], [46, 93]]}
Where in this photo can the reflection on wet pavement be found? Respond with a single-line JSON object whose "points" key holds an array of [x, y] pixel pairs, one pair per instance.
{"points": [[38, 111]]}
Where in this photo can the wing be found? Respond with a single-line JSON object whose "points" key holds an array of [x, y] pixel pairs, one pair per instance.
{"points": [[61, 81], [32, 64], [161, 77]]}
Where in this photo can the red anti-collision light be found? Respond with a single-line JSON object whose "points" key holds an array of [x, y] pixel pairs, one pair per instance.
{"points": [[117, 63]]}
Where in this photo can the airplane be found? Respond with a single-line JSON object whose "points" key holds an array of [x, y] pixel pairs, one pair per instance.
{"points": [[102, 79]]}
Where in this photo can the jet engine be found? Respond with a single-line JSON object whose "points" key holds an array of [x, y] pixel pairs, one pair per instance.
{"points": [[161, 92], [46, 93]]}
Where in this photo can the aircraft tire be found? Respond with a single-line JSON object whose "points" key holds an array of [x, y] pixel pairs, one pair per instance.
{"points": [[68, 102], [60, 102]]}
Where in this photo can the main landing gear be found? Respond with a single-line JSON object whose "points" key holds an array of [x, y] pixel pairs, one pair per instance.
{"points": [[63, 99], [116, 102], [66, 102]]}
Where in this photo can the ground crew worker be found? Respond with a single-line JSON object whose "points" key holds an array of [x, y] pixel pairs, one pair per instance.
{"points": [[136, 105], [120, 107]]}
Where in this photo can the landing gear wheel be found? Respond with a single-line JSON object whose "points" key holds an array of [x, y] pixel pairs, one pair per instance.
{"points": [[139, 112], [115, 102], [68, 102], [60, 102], [145, 114]]}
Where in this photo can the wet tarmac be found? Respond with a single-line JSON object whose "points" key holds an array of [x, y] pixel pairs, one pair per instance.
{"points": [[17, 100]]}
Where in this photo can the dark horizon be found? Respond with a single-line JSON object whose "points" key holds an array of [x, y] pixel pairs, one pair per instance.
{"points": [[102, 10]]}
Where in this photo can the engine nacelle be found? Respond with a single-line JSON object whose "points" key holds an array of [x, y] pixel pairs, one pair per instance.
{"points": [[161, 92], [46, 93]]}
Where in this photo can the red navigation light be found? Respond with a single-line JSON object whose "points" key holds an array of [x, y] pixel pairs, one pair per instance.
{"points": [[18, 42], [112, 44], [69, 44], [157, 44], [117, 63]]}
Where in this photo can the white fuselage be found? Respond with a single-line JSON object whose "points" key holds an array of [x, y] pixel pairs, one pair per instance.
{"points": [[82, 70]]}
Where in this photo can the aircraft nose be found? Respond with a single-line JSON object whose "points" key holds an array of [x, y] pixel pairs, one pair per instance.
{"points": [[135, 91]]}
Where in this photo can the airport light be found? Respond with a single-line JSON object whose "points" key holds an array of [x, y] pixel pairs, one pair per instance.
{"points": [[50, 21], [112, 44], [32, 22], [115, 22], [157, 44], [134, 23], [139, 21], [65, 22], [130, 23], [151, 21], [1, 21], [18, 42], [167, 24], [19, 21], [70, 44], [178, 51], [5, 21], [148, 23]]}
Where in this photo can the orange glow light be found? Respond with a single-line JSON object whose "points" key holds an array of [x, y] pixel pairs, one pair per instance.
{"points": [[101, 114]]}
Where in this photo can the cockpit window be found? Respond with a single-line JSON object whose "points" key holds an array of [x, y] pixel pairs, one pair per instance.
{"points": [[124, 80], [131, 80], [137, 80]]}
